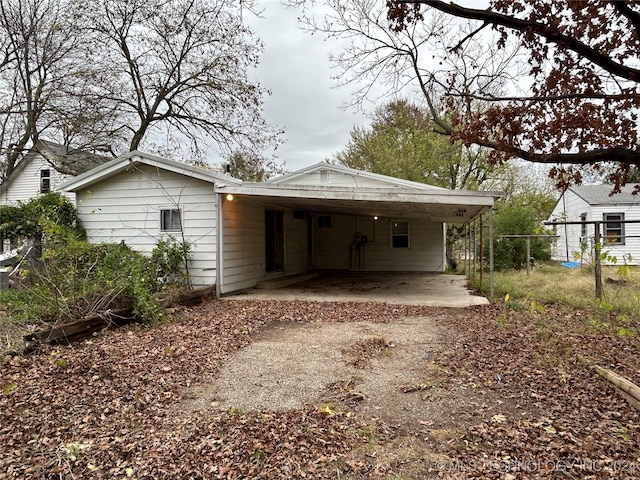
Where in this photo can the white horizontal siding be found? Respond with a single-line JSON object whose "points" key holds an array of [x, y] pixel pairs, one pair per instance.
{"points": [[126, 208], [569, 209], [335, 247], [631, 230], [242, 244], [27, 184]]}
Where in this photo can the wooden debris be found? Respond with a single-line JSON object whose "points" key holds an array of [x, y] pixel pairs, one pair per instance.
{"points": [[625, 388], [78, 330], [94, 323]]}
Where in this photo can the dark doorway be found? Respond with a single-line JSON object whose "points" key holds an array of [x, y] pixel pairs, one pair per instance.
{"points": [[310, 242], [274, 240]]}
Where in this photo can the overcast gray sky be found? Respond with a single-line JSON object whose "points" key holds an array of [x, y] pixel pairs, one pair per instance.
{"points": [[296, 69]]}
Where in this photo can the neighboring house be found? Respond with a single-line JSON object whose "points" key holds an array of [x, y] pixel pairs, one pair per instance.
{"points": [[318, 218], [43, 168], [592, 203]]}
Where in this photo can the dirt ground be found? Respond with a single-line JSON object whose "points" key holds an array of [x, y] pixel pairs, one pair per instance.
{"points": [[421, 392], [387, 371]]}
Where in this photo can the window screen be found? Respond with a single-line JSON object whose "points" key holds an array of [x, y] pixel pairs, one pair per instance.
{"points": [[170, 220], [583, 227], [614, 228], [399, 234], [324, 221]]}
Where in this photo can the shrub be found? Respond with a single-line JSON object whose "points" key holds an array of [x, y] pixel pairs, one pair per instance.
{"points": [[75, 278], [514, 219], [42, 217]]}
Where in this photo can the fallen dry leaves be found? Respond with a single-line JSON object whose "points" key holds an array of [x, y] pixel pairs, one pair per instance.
{"points": [[568, 423], [109, 407]]}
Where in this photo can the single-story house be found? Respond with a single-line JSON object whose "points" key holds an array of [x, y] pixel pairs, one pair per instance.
{"points": [[590, 204], [43, 169], [318, 218]]}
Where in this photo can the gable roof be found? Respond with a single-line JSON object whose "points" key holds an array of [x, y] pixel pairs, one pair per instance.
{"points": [[599, 195], [389, 197], [124, 162], [67, 160], [63, 159], [391, 181]]}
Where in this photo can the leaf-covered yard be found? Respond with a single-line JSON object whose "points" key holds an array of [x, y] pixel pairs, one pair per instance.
{"points": [[111, 407]]}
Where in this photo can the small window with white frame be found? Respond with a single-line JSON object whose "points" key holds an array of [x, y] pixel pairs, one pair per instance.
{"points": [[400, 234], [170, 220], [613, 228]]}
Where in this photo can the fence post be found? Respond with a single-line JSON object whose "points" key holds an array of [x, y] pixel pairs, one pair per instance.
{"points": [[528, 254], [598, 266], [491, 286], [481, 253]]}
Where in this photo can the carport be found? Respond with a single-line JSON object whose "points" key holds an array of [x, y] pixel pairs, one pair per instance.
{"points": [[379, 224]]}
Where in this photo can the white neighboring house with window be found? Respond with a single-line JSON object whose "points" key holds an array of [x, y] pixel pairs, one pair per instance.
{"points": [[43, 168], [322, 217], [592, 203]]}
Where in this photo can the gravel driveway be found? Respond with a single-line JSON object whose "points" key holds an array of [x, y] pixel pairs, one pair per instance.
{"points": [[290, 365]]}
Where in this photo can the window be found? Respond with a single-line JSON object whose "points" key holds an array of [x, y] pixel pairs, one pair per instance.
{"points": [[583, 228], [45, 180], [170, 220], [324, 176], [613, 228], [399, 234], [324, 221]]}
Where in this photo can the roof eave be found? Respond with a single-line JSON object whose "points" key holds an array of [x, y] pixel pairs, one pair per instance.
{"points": [[120, 164], [451, 197]]}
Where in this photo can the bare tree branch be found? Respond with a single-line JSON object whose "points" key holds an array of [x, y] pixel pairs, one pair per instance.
{"points": [[544, 30]]}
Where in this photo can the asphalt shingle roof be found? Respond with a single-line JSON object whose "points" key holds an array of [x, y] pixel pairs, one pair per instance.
{"points": [[599, 195]]}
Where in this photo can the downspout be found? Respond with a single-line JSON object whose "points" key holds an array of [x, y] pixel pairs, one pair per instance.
{"points": [[219, 246]]}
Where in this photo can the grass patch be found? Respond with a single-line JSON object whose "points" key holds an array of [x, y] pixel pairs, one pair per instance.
{"points": [[19, 315], [551, 283]]}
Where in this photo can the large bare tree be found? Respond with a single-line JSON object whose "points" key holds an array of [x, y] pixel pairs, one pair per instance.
{"points": [[181, 65], [43, 79], [114, 75], [549, 82]]}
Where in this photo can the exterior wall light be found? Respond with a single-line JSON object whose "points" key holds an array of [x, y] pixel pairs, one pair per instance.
{"points": [[375, 217], [229, 197]]}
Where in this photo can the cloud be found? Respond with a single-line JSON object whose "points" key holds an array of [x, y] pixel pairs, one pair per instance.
{"points": [[304, 100]]}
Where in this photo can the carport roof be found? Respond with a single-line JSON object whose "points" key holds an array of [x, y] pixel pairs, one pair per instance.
{"points": [[441, 205]]}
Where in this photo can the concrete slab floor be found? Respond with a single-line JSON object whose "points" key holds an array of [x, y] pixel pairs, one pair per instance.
{"points": [[431, 289]]}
